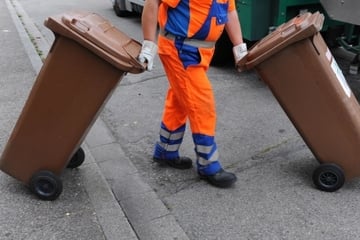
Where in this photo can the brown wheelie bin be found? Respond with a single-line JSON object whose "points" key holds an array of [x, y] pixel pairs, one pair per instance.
{"points": [[87, 60], [296, 64]]}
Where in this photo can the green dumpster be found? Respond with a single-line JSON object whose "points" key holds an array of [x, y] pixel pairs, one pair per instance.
{"points": [[259, 17], [288, 9], [255, 18]]}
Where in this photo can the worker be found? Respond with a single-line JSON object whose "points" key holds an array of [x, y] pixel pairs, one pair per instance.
{"points": [[188, 31]]}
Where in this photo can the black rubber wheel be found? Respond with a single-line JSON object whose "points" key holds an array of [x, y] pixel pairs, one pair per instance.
{"points": [[46, 185], [119, 11], [77, 159], [328, 177]]}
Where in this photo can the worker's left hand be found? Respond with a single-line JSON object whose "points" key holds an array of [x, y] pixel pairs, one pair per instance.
{"points": [[240, 53], [147, 53]]}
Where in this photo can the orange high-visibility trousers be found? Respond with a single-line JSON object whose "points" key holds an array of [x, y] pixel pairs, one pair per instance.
{"points": [[190, 95]]}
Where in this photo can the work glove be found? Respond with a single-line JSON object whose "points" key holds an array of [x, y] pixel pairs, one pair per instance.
{"points": [[147, 53], [240, 53]]}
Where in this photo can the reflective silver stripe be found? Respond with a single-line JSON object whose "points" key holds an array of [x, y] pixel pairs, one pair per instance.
{"points": [[204, 149], [171, 136], [169, 148], [213, 158], [189, 41]]}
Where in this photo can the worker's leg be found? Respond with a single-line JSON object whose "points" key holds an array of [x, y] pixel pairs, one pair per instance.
{"points": [[172, 131], [174, 117], [191, 95]]}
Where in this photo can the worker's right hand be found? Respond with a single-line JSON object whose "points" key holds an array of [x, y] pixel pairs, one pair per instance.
{"points": [[147, 53], [240, 54]]}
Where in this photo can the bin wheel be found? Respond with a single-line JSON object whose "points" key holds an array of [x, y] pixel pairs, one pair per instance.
{"points": [[77, 159], [46, 185], [328, 177]]}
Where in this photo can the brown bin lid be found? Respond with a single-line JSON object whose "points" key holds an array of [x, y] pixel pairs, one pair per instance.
{"points": [[100, 36], [298, 28]]}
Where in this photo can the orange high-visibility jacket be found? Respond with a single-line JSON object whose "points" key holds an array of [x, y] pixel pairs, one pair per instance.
{"points": [[199, 19]]}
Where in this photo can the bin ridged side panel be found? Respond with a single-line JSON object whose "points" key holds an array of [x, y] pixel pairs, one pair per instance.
{"points": [[303, 82], [68, 95]]}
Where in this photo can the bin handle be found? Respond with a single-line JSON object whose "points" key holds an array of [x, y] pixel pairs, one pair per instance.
{"points": [[297, 23], [81, 26], [133, 59], [294, 29], [123, 51]]}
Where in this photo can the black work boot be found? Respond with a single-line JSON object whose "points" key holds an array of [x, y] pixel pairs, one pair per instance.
{"points": [[179, 162], [220, 179]]}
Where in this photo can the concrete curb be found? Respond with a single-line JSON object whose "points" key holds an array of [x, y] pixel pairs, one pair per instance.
{"points": [[125, 205], [24, 35], [147, 214]]}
